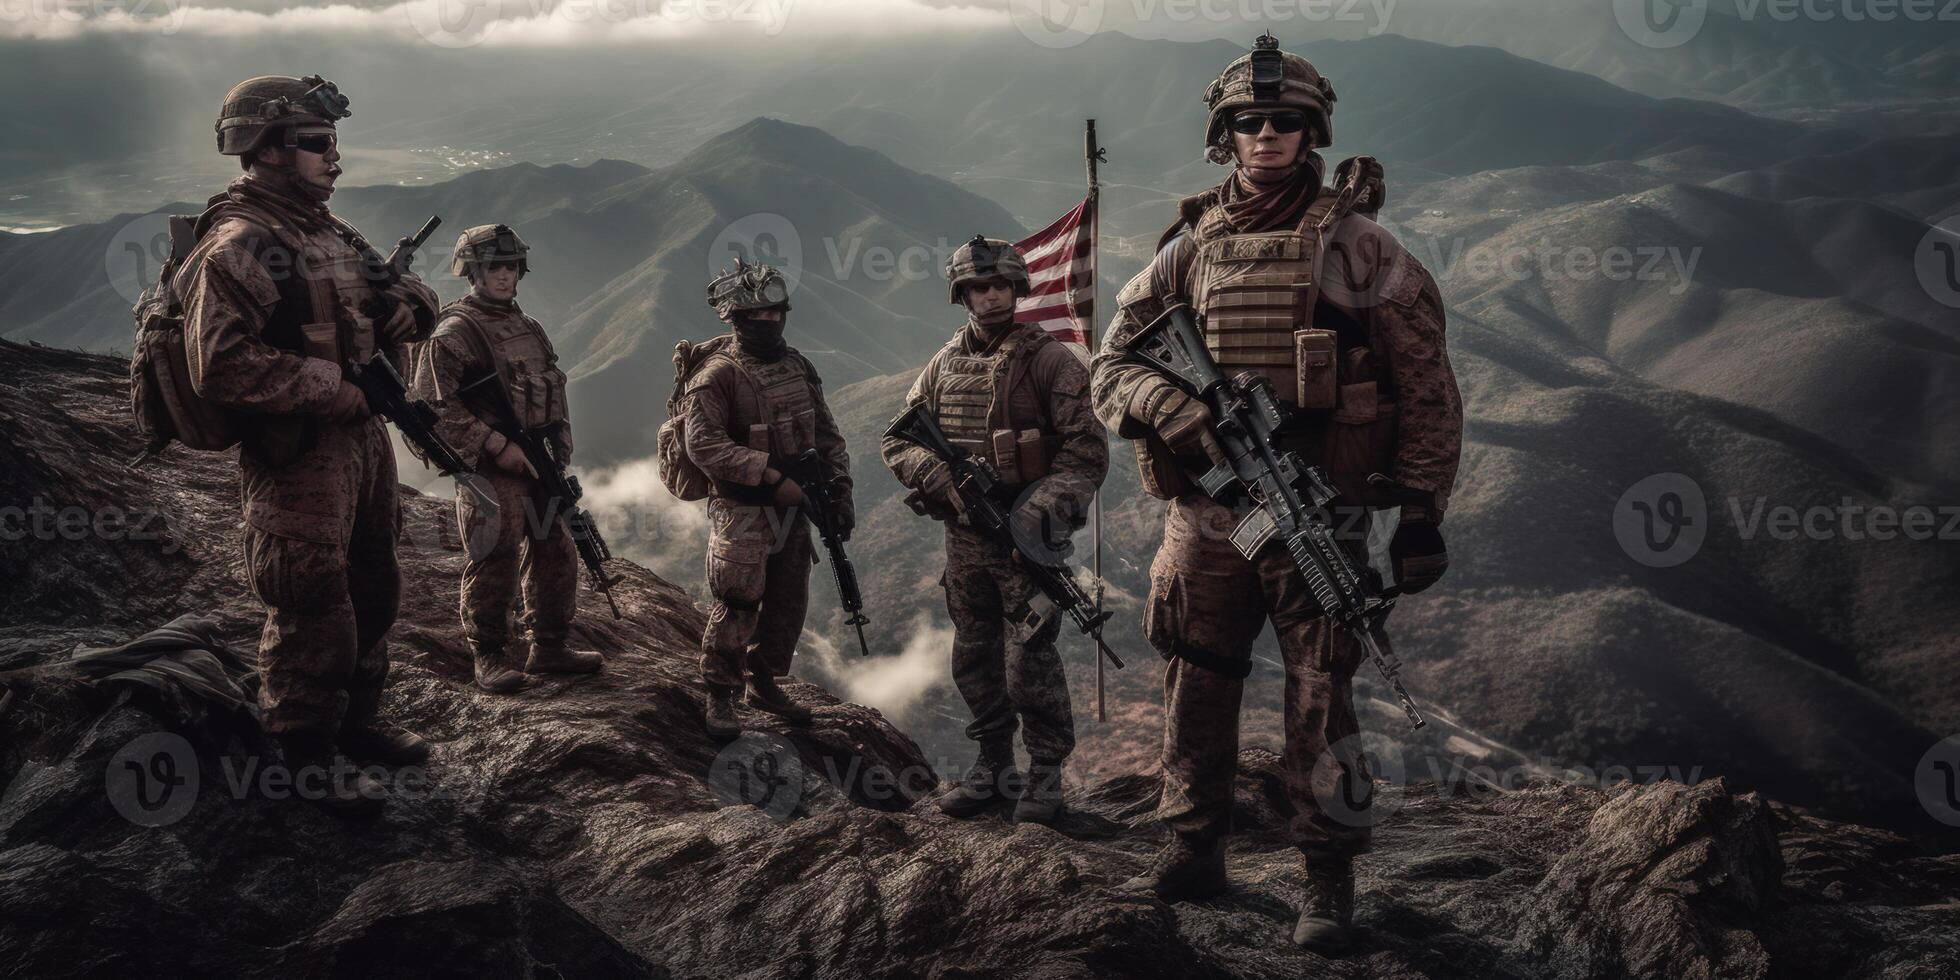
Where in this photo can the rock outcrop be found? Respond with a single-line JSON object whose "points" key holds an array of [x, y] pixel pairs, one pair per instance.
{"points": [[587, 827]]}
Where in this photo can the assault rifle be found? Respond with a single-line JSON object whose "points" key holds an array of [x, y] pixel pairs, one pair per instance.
{"points": [[820, 504], [416, 420], [1291, 497], [561, 489], [991, 514], [386, 273]]}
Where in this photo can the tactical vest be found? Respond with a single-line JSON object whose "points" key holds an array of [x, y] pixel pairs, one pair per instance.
{"points": [[322, 285], [1257, 292], [972, 402], [523, 356], [789, 397]]}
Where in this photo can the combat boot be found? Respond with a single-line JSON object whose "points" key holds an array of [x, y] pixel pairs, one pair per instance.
{"points": [[1189, 867], [1327, 908], [382, 744], [494, 674], [1041, 799], [555, 659], [991, 779], [766, 695], [719, 717], [328, 780]]}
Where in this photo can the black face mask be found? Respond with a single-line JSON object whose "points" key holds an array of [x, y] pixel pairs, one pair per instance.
{"points": [[760, 338]]}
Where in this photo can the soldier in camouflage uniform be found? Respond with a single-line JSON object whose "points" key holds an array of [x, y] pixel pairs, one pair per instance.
{"points": [[1294, 283], [752, 403], [278, 296], [1016, 397], [485, 334]]}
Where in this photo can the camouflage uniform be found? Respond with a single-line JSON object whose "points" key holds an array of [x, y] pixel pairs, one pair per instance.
{"points": [[524, 541], [1021, 385], [741, 411], [1375, 377], [321, 515]]}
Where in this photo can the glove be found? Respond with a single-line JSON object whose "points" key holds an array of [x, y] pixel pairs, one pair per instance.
{"points": [[846, 521], [401, 327], [1419, 554], [1184, 423], [349, 405], [783, 491], [938, 486], [509, 456]]}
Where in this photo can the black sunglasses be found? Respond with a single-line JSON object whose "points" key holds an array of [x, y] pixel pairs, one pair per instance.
{"points": [[1251, 123], [320, 143]]}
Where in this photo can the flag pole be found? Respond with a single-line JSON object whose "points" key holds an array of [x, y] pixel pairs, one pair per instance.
{"points": [[1093, 155]]}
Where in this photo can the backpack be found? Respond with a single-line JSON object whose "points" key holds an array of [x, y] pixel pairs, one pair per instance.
{"points": [[162, 399], [165, 405], [683, 478]]}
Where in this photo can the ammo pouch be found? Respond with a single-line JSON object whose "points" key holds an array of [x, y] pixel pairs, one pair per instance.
{"points": [[1157, 469], [1022, 457], [1313, 361]]}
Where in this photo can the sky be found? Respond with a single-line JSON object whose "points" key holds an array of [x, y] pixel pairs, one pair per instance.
{"points": [[494, 23]]}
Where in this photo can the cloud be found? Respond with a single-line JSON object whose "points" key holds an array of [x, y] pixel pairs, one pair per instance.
{"points": [[644, 523], [893, 685], [492, 23]]}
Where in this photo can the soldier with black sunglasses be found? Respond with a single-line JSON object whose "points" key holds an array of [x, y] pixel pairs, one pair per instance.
{"points": [[1296, 285], [277, 297]]}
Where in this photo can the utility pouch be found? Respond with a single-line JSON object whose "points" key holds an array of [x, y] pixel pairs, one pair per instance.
{"points": [[1006, 461], [1313, 357], [759, 437], [1031, 450], [321, 340], [917, 501]]}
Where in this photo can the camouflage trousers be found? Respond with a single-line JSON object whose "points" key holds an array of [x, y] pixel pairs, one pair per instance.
{"points": [[1206, 597], [319, 549], [759, 576], [524, 544], [1007, 679]]}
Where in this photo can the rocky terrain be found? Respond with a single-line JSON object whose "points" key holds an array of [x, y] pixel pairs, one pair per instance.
{"points": [[587, 828]]}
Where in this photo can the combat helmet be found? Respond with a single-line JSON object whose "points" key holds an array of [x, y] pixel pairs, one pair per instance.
{"points": [[1267, 77], [258, 107], [986, 258], [485, 244], [748, 287]]}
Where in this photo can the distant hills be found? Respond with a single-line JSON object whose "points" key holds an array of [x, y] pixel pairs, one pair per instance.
{"points": [[1768, 340]]}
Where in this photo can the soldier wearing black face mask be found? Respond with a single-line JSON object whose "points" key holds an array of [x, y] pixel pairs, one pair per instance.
{"points": [[752, 401]]}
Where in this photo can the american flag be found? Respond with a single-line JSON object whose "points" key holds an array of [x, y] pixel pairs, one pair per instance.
{"points": [[1062, 269]]}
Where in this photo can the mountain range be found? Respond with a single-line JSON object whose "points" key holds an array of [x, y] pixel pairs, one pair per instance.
{"points": [[1768, 340]]}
